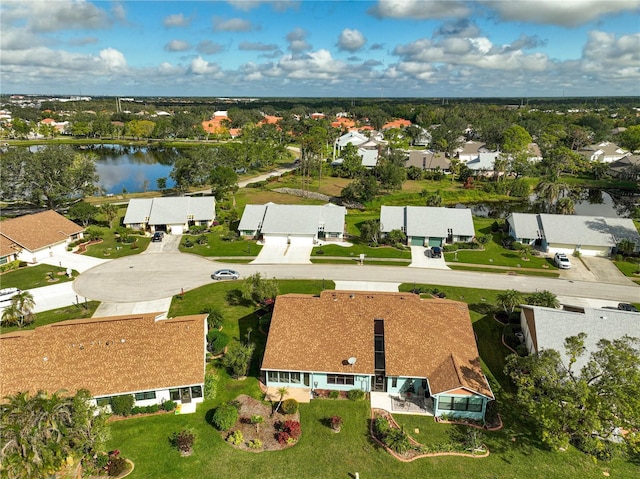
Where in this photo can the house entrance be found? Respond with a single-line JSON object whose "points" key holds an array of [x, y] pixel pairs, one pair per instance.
{"points": [[185, 395], [379, 382]]}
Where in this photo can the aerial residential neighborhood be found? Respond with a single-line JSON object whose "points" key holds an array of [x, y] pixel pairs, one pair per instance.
{"points": [[319, 239]]}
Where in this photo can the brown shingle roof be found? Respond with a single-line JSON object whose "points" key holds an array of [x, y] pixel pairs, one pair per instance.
{"points": [[39, 230], [423, 338], [107, 356], [7, 247]]}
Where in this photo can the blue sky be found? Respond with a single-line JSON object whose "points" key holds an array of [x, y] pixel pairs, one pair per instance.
{"points": [[390, 48]]}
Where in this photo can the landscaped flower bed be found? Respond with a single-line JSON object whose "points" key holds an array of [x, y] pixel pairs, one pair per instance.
{"points": [[392, 437], [257, 429]]}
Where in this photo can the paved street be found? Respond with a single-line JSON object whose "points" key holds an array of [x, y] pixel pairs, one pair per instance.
{"points": [[160, 275]]}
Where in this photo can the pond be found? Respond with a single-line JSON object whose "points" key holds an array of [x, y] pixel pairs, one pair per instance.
{"points": [[610, 204], [132, 169]]}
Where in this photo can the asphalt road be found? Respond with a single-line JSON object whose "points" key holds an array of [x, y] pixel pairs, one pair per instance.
{"points": [[159, 275]]}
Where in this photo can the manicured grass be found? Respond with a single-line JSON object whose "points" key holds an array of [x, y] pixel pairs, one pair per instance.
{"points": [[35, 276], [523, 271], [111, 247], [628, 268], [357, 249], [217, 245], [57, 315], [320, 260]]}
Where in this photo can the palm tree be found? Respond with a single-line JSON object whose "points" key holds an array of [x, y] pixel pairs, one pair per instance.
{"points": [[509, 300], [282, 392], [626, 247], [20, 310], [550, 189], [110, 211], [566, 206]]}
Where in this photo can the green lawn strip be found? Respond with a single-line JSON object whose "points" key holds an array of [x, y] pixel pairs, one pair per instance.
{"points": [[35, 277], [111, 248], [220, 244], [56, 315], [523, 271], [628, 268], [376, 262], [357, 249]]}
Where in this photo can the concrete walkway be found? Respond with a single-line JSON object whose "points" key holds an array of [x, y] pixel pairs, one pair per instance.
{"points": [[284, 254], [421, 258], [78, 262]]}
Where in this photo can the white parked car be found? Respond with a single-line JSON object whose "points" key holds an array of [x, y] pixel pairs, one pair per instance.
{"points": [[562, 261], [225, 274]]}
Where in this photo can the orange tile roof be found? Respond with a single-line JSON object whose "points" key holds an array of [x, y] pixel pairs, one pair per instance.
{"points": [[39, 230], [397, 123], [430, 338], [7, 247], [270, 119], [215, 124], [343, 123], [107, 356]]}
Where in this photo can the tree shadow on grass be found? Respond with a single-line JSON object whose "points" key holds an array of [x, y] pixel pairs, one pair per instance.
{"points": [[234, 298]]}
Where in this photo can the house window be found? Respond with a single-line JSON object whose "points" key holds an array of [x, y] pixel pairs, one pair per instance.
{"points": [[103, 401], [394, 382], [284, 377], [174, 394], [472, 404], [295, 378], [196, 391], [340, 379], [145, 395]]}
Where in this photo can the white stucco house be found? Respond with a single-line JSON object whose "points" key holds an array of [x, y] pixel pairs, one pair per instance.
{"points": [[293, 224], [604, 151], [590, 235], [32, 238], [173, 215], [143, 355], [428, 226]]}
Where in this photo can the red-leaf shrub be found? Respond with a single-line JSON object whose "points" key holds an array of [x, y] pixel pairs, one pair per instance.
{"points": [[293, 428], [283, 437]]}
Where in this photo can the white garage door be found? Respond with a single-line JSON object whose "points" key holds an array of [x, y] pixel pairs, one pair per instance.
{"points": [[562, 248], [594, 251], [274, 240], [301, 240], [177, 229]]}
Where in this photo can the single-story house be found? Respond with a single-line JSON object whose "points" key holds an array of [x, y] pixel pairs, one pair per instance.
{"points": [[428, 160], [627, 168], [470, 150], [293, 224], [8, 250], [483, 163], [173, 215], [427, 225], [590, 235], [547, 328], [391, 344], [369, 158], [525, 228], [37, 236], [151, 358], [605, 151]]}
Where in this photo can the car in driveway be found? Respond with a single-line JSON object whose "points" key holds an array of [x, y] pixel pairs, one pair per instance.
{"points": [[225, 274], [157, 236], [627, 307], [561, 261]]}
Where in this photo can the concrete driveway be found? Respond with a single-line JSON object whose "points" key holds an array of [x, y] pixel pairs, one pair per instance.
{"points": [[79, 262], [577, 272], [421, 258], [55, 296], [284, 254], [169, 243], [605, 271]]}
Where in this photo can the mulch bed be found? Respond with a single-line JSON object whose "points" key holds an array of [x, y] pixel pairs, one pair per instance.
{"points": [[267, 433]]}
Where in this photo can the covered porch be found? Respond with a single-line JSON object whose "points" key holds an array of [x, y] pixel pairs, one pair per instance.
{"points": [[402, 403], [302, 395]]}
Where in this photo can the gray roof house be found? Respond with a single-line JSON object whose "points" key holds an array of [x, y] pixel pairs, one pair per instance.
{"points": [[428, 160], [590, 235], [627, 168], [428, 226], [303, 224], [547, 328], [483, 163], [173, 215], [604, 151]]}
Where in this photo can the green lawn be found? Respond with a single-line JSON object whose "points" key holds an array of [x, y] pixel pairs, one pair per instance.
{"points": [[220, 244], [57, 315], [628, 268], [35, 276], [357, 249], [111, 247], [523, 271]]}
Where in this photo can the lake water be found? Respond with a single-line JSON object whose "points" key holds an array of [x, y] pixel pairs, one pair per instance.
{"points": [[121, 167]]}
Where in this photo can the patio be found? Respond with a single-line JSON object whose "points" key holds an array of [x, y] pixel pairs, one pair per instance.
{"points": [[402, 404]]}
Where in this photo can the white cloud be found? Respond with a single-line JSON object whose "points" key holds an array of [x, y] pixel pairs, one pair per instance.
{"points": [[176, 20], [53, 16], [231, 25], [351, 40], [419, 9], [314, 65], [203, 67], [113, 59], [567, 13], [297, 40], [177, 46], [119, 13], [257, 46], [277, 5], [604, 52], [167, 69], [207, 47]]}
